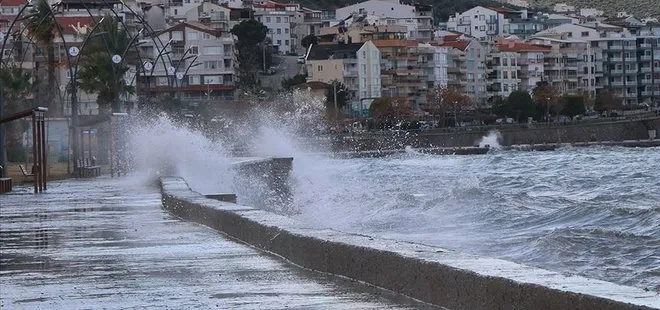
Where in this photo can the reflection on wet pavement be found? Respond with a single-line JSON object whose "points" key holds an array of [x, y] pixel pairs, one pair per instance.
{"points": [[107, 244]]}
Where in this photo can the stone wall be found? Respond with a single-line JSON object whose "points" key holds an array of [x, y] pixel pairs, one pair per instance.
{"points": [[434, 275], [511, 135]]}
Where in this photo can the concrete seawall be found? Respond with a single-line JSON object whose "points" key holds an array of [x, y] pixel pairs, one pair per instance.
{"points": [[621, 130], [431, 274]]}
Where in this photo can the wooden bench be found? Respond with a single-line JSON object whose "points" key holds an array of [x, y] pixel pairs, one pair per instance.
{"points": [[5, 185], [26, 175], [88, 169]]}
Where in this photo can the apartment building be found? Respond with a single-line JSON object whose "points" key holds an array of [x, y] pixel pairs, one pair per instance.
{"points": [[435, 63], [356, 65], [631, 67], [401, 76], [418, 19], [467, 69], [211, 15], [199, 63], [278, 18], [514, 65], [480, 22], [305, 22], [368, 76]]}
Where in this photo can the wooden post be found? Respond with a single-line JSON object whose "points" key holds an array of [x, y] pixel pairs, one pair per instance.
{"points": [[44, 142], [34, 154]]}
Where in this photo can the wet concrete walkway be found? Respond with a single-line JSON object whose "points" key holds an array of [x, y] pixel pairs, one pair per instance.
{"points": [[106, 243]]}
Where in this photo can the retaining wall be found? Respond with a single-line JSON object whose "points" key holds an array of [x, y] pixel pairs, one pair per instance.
{"points": [[571, 133], [431, 274]]}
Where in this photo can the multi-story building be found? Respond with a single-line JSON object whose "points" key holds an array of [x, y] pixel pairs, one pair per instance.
{"points": [[278, 18], [356, 65], [211, 15], [305, 22], [417, 19], [435, 62], [467, 69], [631, 67], [401, 76], [480, 22], [514, 65], [199, 65], [368, 75]]}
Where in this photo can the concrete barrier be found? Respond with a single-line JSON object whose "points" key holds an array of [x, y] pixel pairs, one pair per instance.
{"points": [[431, 274]]}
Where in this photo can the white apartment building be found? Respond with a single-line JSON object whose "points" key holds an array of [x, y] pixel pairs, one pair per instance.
{"points": [[482, 23], [210, 14], [199, 63], [417, 19], [278, 18], [368, 75], [435, 62]]}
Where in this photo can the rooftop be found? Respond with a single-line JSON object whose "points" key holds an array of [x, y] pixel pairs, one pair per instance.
{"points": [[334, 51], [395, 43]]}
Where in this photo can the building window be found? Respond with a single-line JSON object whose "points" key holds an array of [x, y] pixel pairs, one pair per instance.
{"points": [[505, 62], [213, 79], [319, 68], [194, 50], [193, 80], [286, 19], [177, 35], [212, 50], [505, 74], [211, 65], [569, 34], [505, 87], [206, 36], [286, 30], [476, 27], [482, 17], [227, 63], [268, 19], [278, 19], [585, 33], [286, 42], [482, 28], [192, 35], [279, 42], [279, 30]]}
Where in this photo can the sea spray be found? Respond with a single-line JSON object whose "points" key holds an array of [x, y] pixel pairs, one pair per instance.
{"points": [[491, 140], [161, 146]]}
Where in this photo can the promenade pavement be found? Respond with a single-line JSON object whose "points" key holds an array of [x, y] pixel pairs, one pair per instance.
{"points": [[107, 244]]}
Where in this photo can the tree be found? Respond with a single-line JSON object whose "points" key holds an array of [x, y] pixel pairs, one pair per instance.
{"points": [[309, 40], [573, 105], [520, 106], [252, 51], [381, 109], [98, 73], [607, 100], [546, 98], [297, 79], [42, 28], [336, 89], [386, 109], [15, 84], [455, 101]]}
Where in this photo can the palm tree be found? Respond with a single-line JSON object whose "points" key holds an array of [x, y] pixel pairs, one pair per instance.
{"points": [[98, 73], [41, 27]]}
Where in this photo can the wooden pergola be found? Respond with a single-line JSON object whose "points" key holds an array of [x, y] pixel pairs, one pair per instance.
{"points": [[39, 148]]}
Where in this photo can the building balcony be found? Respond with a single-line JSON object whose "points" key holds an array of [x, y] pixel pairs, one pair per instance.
{"points": [[646, 58], [630, 59], [615, 47], [645, 69], [646, 45], [630, 47], [424, 27], [615, 59], [615, 71], [630, 95], [616, 83]]}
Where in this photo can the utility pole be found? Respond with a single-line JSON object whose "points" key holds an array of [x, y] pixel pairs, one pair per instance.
{"points": [[334, 88]]}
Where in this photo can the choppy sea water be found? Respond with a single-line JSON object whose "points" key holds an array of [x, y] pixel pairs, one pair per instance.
{"points": [[593, 212]]}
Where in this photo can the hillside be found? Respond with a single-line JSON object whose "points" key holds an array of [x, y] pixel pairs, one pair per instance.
{"points": [[444, 8], [639, 8]]}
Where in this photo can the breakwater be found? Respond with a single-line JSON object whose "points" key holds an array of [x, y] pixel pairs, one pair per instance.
{"points": [[431, 274]]}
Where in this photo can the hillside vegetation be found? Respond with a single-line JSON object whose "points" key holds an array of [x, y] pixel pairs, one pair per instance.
{"points": [[639, 8]]}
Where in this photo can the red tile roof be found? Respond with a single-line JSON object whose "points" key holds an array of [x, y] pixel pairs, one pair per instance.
{"points": [[461, 45], [395, 43], [6, 3], [522, 47]]}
